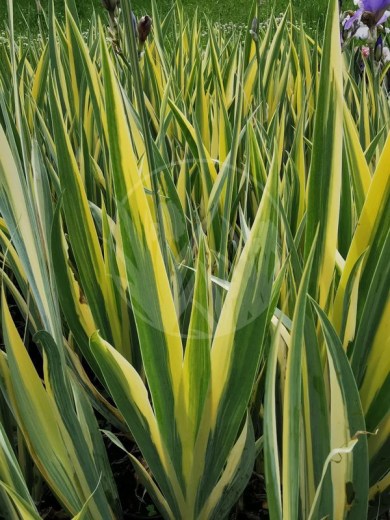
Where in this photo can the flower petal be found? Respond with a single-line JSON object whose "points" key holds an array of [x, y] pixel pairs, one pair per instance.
{"points": [[351, 20], [384, 17], [375, 5]]}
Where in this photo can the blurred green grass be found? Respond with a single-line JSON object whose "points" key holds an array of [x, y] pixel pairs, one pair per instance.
{"points": [[223, 11]]}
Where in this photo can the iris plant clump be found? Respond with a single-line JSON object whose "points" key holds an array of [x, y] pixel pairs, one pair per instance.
{"points": [[194, 269]]}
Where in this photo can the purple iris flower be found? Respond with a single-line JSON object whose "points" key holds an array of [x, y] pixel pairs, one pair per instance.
{"points": [[373, 11]]}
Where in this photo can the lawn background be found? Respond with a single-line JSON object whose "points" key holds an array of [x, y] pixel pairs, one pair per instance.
{"points": [[312, 12]]}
